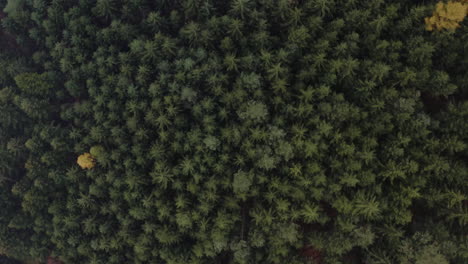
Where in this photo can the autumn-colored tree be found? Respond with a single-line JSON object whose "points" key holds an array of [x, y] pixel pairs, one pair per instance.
{"points": [[86, 161], [447, 15]]}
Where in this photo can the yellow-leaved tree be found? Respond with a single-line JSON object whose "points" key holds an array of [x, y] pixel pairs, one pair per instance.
{"points": [[86, 161], [447, 15]]}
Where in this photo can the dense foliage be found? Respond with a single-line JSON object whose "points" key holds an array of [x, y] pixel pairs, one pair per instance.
{"points": [[240, 131], [447, 15]]}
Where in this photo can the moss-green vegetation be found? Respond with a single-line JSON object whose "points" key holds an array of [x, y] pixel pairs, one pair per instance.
{"points": [[240, 131]]}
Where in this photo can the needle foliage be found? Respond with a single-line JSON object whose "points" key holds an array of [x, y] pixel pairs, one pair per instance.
{"points": [[240, 131]]}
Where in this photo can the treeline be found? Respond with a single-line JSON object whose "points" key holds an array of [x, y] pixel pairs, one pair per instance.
{"points": [[241, 131]]}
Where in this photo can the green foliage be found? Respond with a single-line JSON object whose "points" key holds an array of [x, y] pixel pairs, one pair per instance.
{"points": [[240, 131], [255, 111], [242, 182], [12, 6], [34, 84]]}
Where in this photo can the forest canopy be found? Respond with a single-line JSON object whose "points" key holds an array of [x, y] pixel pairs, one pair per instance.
{"points": [[237, 131]]}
